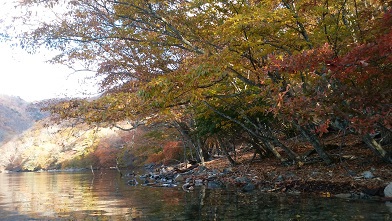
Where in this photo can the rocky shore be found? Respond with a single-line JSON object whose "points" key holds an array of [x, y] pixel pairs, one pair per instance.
{"points": [[271, 176]]}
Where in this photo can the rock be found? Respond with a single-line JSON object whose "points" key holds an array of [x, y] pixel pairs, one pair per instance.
{"points": [[178, 177], [388, 190], [214, 172], [144, 176], [198, 182], [214, 184], [169, 185], [367, 175], [187, 187], [189, 180], [248, 187], [202, 169], [315, 173], [279, 179], [132, 182], [228, 170], [242, 180], [149, 166], [132, 174]]}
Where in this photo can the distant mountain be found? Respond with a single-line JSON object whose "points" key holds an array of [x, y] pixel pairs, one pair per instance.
{"points": [[16, 116]]}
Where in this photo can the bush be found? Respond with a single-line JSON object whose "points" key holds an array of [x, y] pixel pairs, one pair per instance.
{"points": [[172, 150]]}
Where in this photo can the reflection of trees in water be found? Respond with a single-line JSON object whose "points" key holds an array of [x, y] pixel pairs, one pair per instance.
{"points": [[77, 196], [57, 195], [206, 204]]}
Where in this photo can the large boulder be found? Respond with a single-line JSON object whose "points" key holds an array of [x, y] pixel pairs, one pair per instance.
{"points": [[388, 190]]}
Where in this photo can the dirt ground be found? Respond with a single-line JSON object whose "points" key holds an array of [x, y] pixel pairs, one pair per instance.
{"points": [[355, 169]]}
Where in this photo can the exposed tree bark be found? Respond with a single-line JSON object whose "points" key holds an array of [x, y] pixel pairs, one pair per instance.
{"points": [[265, 142], [199, 151], [377, 148], [261, 150], [269, 146], [184, 130], [268, 136], [386, 135], [292, 155], [315, 143], [223, 147]]}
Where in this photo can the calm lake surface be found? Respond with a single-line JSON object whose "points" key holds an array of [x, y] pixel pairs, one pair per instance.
{"points": [[80, 196]]}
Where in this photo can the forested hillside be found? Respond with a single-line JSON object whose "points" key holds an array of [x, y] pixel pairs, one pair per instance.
{"points": [[16, 115], [30, 140], [47, 145]]}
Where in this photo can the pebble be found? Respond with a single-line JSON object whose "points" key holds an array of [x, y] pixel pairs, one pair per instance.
{"points": [[367, 175]]}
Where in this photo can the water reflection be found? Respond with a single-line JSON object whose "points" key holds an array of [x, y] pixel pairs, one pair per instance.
{"points": [[80, 196]]}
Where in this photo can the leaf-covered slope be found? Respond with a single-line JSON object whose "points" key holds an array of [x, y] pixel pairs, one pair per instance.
{"points": [[16, 115]]}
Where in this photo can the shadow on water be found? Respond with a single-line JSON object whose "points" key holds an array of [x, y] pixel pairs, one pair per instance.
{"points": [[80, 196]]}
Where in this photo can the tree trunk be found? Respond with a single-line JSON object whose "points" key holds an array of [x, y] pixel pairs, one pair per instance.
{"points": [[199, 151], [377, 148], [273, 150], [256, 135], [315, 143], [386, 135], [183, 128], [291, 154], [261, 150], [223, 147]]}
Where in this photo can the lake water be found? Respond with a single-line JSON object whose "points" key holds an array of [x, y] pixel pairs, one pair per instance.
{"points": [[81, 196]]}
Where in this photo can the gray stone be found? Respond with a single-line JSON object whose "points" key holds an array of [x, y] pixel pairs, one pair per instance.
{"points": [[132, 182], [214, 185], [178, 177], [388, 190], [279, 178], [227, 170], [198, 182], [248, 187], [242, 180], [367, 175], [202, 169]]}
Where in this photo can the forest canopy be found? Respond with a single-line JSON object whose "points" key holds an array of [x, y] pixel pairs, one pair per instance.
{"points": [[255, 71]]}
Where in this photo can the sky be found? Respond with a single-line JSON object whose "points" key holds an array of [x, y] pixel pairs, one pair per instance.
{"points": [[30, 77]]}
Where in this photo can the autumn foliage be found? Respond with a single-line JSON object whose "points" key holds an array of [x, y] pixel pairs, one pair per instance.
{"points": [[171, 152], [257, 71]]}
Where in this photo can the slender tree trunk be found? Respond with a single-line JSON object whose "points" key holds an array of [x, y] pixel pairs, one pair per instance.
{"points": [[200, 151], [118, 169], [315, 143], [386, 135], [377, 148], [183, 128], [291, 154], [255, 134], [223, 147], [273, 150], [258, 147]]}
